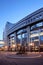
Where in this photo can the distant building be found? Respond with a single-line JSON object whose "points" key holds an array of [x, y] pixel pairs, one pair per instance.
{"points": [[2, 43], [28, 32]]}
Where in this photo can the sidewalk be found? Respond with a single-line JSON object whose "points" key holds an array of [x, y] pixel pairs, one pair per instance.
{"points": [[28, 55]]}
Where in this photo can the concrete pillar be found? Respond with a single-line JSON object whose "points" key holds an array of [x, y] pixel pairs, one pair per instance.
{"points": [[15, 38], [39, 37], [8, 42], [28, 36], [21, 40]]}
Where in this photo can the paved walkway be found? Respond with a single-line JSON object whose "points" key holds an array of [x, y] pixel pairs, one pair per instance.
{"points": [[28, 55], [5, 60]]}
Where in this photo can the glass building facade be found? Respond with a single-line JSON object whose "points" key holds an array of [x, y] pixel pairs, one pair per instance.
{"points": [[36, 37], [36, 34], [27, 32]]}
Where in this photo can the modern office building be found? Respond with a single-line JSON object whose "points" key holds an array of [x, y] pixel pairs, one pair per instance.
{"points": [[27, 32]]}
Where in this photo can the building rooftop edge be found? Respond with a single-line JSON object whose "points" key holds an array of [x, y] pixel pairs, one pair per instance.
{"points": [[30, 15]]}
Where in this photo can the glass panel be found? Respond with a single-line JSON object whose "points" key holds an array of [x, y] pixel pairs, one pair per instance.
{"points": [[39, 24], [41, 40], [18, 39], [36, 36], [24, 38]]}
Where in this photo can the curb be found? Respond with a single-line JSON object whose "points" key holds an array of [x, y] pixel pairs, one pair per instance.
{"points": [[22, 57]]}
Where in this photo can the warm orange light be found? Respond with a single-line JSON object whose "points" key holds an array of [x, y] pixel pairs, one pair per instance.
{"points": [[13, 45], [31, 44], [6, 47], [19, 44]]}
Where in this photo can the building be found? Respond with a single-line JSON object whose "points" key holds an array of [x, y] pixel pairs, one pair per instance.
{"points": [[28, 32], [2, 45]]}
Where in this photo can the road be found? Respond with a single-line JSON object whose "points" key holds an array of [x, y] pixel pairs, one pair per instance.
{"points": [[4, 60]]}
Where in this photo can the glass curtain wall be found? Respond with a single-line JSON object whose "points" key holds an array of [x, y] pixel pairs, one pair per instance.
{"points": [[12, 42], [36, 35], [22, 37]]}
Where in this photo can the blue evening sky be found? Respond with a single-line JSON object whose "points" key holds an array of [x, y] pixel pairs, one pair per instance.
{"points": [[14, 10]]}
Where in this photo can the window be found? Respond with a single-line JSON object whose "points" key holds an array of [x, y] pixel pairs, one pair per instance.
{"points": [[41, 37], [39, 24]]}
